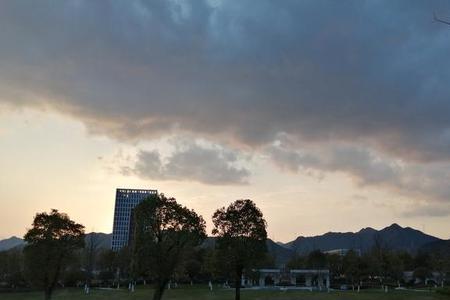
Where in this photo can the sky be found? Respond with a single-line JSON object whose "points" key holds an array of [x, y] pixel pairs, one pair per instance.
{"points": [[329, 115]]}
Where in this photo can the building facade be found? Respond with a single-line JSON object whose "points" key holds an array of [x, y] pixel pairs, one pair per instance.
{"points": [[126, 201], [299, 278]]}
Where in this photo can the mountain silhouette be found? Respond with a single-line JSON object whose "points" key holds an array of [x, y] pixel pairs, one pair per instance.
{"points": [[393, 237]]}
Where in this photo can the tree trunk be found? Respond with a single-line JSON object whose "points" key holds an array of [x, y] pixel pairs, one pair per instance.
{"points": [[48, 293], [238, 290], [157, 295], [160, 289], [238, 284]]}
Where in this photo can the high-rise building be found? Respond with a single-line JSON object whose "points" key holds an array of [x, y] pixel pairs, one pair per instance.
{"points": [[126, 201]]}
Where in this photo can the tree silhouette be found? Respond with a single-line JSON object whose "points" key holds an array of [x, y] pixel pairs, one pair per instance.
{"points": [[90, 254], [164, 232], [51, 243], [241, 237]]}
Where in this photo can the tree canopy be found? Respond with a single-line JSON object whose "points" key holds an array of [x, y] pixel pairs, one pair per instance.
{"points": [[241, 237], [164, 232], [51, 242]]}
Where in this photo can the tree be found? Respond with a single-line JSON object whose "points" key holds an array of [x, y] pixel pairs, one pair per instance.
{"points": [[107, 263], [351, 263], [193, 268], [395, 267], [11, 267], [407, 260], [378, 259], [422, 263], [335, 264], [422, 273], [124, 265], [164, 232], [297, 262], [51, 242], [212, 265], [241, 237], [441, 264], [90, 256], [316, 260]]}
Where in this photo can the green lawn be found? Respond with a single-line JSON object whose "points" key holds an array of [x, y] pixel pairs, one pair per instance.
{"points": [[219, 294]]}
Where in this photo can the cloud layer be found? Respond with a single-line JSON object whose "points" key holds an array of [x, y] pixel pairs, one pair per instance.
{"points": [[369, 74], [426, 183], [190, 161]]}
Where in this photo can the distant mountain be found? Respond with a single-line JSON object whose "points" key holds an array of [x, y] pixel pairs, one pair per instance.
{"points": [[441, 247], [281, 254], [394, 237], [10, 243], [103, 240]]}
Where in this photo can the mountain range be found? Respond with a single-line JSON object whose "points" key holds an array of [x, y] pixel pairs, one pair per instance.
{"points": [[393, 237], [10, 243]]}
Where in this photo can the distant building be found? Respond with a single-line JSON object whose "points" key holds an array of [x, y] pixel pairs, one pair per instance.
{"points": [[299, 278], [342, 252], [126, 201], [433, 277]]}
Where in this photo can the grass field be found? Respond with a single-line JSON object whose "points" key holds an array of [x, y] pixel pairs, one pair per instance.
{"points": [[219, 294]]}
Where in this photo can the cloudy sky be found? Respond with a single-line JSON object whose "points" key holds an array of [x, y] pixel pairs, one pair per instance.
{"points": [[330, 115]]}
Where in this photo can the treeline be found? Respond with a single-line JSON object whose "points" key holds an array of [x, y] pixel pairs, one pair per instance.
{"points": [[380, 266], [113, 269], [100, 267], [170, 246], [167, 248]]}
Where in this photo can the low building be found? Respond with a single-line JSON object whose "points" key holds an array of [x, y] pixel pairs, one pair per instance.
{"points": [[310, 278], [434, 278], [342, 252]]}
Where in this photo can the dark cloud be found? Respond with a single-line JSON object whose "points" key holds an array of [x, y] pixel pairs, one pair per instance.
{"points": [[191, 161], [363, 165], [427, 183], [374, 72], [369, 74], [290, 160]]}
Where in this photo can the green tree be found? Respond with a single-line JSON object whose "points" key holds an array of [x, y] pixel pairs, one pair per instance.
{"points": [[107, 264], [11, 267], [90, 255], [297, 262], [395, 267], [212, 266], [164, 232], [193, 267], [407, 260], [422, 273], [124, 265], [334, 262], [51, 242], [241, 237], [440, 264], [351, 263], [377, 259], [316, 260], [422, 263]]}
